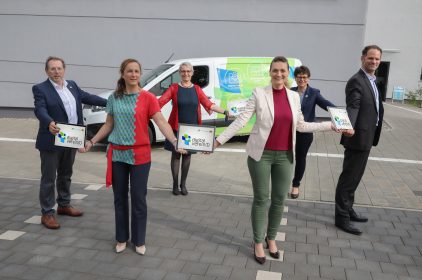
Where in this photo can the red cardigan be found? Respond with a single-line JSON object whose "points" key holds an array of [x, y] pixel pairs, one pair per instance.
{"points": [[171, 94]]}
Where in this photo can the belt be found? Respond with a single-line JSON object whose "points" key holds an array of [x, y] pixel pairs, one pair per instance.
{"points": [[111, 147]]}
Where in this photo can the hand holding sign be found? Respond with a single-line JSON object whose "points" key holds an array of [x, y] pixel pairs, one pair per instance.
{"points": [[198, 138], [70, 136], [340, 118]]}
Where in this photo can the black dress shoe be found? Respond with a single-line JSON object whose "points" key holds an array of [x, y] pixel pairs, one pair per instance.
{"points": [[355, 217], [275, 255], [183, 190], [349, 228], [176, 190], [260, 260]]}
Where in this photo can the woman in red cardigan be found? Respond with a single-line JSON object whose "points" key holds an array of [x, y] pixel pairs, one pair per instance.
{"points": [[187, 100]]}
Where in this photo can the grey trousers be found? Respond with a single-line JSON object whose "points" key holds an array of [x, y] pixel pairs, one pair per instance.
{"points": [[56, 171]]}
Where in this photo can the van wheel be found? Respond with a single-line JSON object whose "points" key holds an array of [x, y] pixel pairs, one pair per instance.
{"points": [[151, 135]]}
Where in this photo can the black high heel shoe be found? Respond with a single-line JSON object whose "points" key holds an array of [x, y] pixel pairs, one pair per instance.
{"points": [[294, 195], [275, 255], [260, 260]]}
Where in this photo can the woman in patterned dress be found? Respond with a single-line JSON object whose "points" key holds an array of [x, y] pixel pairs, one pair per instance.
{"points": [[129, 110]]}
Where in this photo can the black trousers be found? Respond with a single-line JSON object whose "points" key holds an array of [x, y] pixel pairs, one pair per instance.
{"points": [[354, 165], [303, 143], [138, 177], [56, 172]]}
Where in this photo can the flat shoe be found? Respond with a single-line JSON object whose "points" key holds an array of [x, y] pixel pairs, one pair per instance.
{"points": [[69, 211], [183, 190], [141, 250], [120, 247], [49, 221], [175, 190]]}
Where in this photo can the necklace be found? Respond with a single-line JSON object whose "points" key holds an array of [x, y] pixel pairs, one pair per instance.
{"points": [[186, 86]]}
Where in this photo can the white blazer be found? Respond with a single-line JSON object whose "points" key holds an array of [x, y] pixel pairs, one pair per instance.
{"points": [[262, 104]]}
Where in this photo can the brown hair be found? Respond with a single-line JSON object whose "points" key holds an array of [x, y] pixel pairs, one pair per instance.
{"points": [[370, 47], [121, 85], [282, 59], [279, 59], [50, 58], [302, 70]]}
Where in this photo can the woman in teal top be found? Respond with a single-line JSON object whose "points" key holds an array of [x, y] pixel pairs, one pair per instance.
{"points": [[129, 110]]}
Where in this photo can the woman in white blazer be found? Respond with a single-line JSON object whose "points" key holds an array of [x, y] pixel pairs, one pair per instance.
{"points": [[270, 150]]}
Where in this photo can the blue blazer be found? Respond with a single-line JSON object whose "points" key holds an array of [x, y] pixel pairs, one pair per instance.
{"points": [[49, 107], [311, 98]]}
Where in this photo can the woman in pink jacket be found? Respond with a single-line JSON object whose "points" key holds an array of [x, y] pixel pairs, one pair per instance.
{"points": [[270, 150]]}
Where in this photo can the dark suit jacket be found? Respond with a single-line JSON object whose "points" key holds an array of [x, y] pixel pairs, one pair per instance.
{"points": [[49, 107], [362, 111], [311, 98]]}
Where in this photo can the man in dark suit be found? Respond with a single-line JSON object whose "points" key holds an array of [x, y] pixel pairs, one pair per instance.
{"points": [[365, 110], [57, 100]]}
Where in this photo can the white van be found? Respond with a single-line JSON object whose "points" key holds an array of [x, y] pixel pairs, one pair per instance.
{"points": [[227, 81]]}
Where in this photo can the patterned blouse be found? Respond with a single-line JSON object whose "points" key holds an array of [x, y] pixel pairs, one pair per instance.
{"points": [[131, 114]]}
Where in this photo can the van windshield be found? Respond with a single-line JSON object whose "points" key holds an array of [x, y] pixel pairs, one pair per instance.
{"points": [[151, 75]]}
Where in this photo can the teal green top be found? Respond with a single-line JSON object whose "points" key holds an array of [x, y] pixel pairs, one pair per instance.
{"points": [[123, 133]]}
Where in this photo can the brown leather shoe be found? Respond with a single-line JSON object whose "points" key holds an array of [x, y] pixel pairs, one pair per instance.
{"points": [[69, 211], [49, 221]]}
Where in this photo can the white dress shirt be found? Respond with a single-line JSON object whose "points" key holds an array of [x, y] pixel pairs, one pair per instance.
{"points": [[372, 80], [68, 100]]}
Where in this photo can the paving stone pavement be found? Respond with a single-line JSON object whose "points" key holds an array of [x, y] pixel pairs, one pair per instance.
{"points": [[207, 235], [202, 236], [392, 177]]}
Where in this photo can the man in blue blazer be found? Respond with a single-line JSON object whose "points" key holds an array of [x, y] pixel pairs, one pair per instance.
{"points": [[365, 110], [309, 98], [57, 100]]}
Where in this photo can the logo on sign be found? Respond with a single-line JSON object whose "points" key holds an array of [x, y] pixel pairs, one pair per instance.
{"points": [[186, 138], [339, 121], [195, 141], [73, 140], [61, 136]]}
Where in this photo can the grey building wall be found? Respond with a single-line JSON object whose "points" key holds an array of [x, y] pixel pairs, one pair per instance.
{"points": [[95, 36], [394, 26]]}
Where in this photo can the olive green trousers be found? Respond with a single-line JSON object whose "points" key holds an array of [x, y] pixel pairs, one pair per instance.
{"points": [[277, 165]]}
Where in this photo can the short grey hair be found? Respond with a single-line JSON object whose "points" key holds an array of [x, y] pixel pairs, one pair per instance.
{"points": [[186, 64]]}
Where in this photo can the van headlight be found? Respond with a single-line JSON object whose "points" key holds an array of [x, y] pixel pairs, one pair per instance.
{"points": [[94, 108]]}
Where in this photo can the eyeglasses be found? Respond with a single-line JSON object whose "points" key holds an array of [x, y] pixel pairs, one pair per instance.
{"points": [[301, 78], [185, 71]]}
